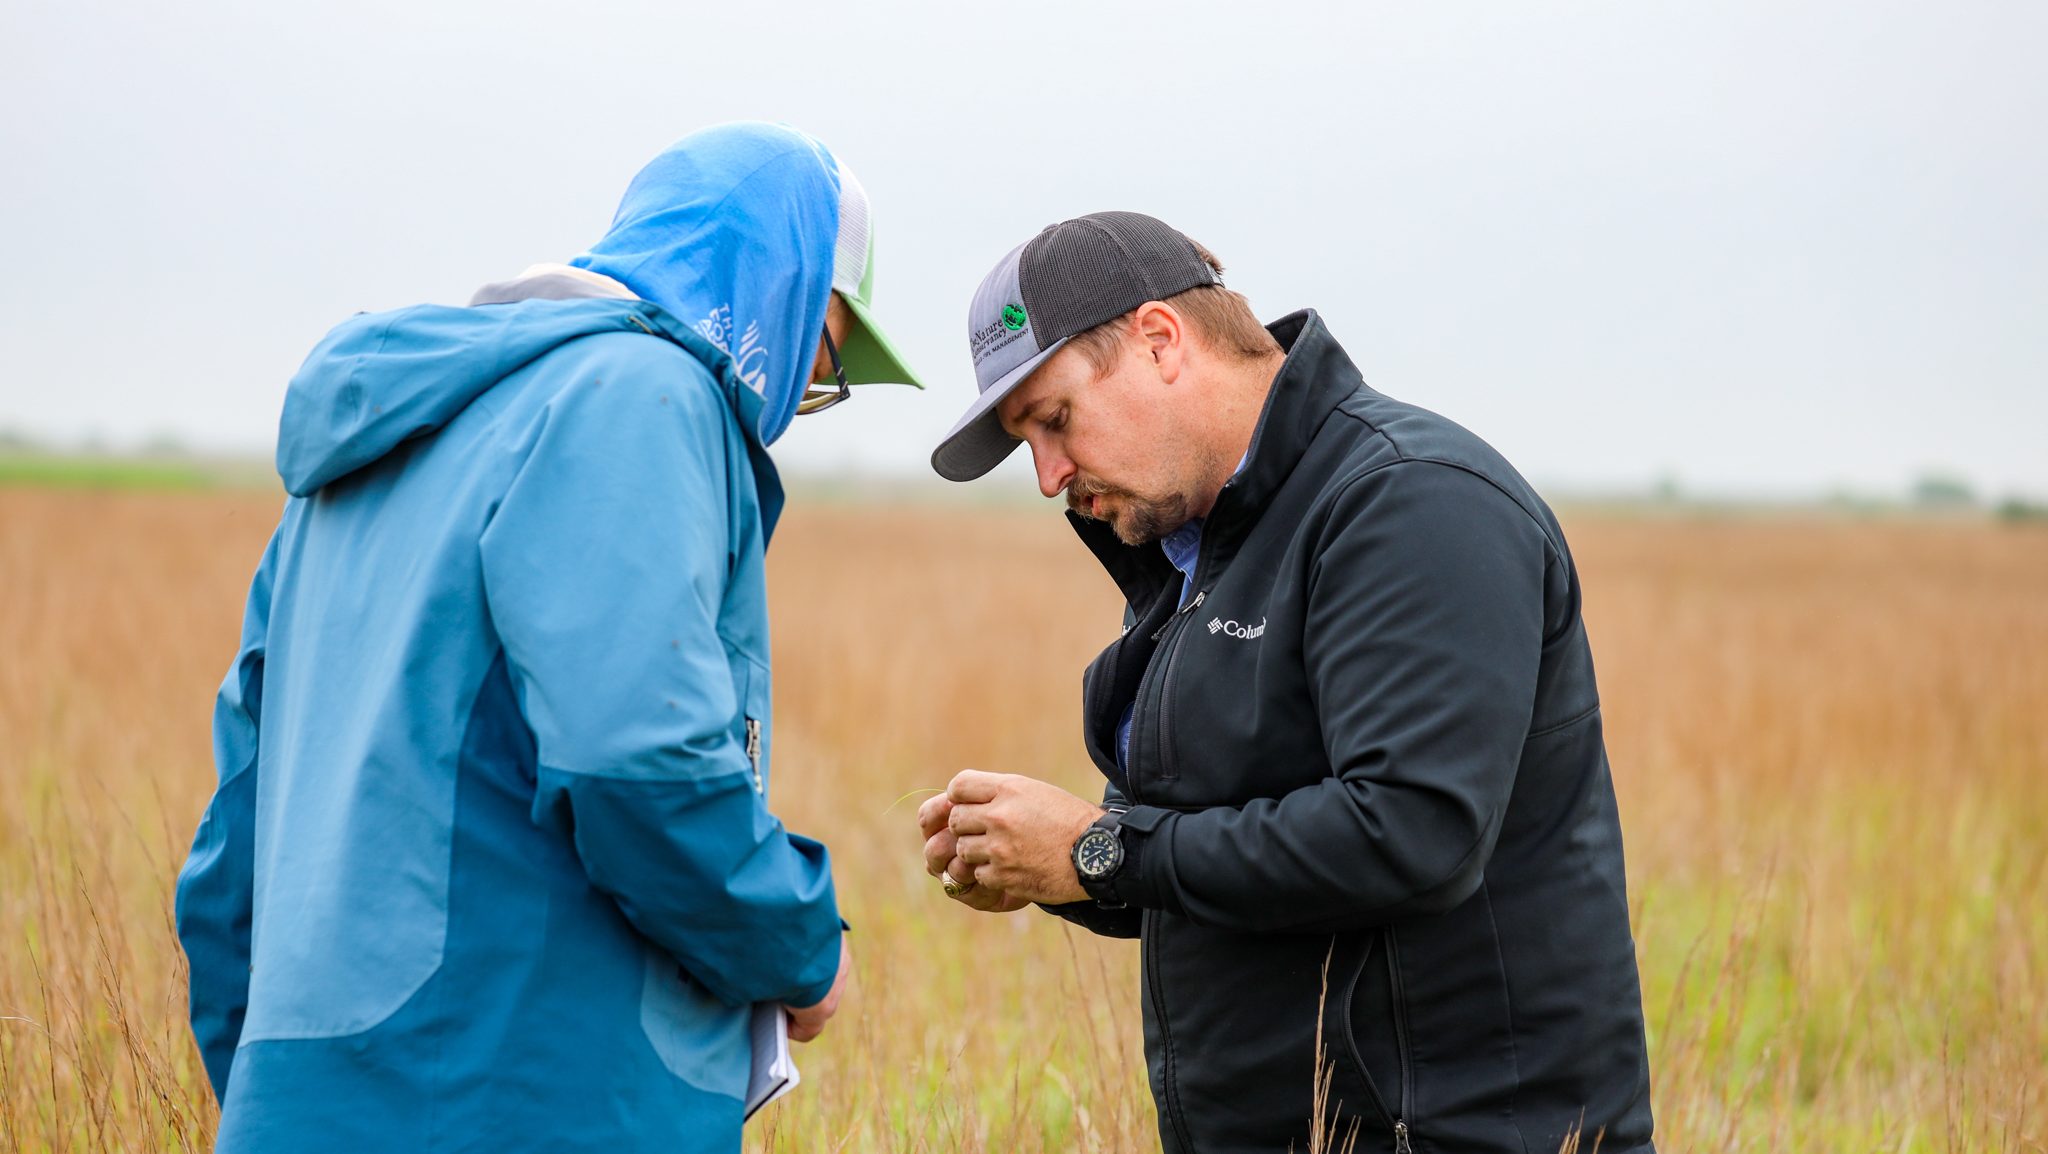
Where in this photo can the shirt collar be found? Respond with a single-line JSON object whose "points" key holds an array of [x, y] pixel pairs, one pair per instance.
{"points": [[1184, 545]]}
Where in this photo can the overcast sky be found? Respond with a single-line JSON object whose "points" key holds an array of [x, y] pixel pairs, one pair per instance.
{"points": [[1759, 247]]}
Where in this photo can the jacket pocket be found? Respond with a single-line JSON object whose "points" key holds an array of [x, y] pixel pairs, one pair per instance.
{"points": [[698, 1038], [351, 910], [1372, 1029], [755, 695]]}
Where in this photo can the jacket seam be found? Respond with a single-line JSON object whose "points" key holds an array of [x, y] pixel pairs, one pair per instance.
{"points": [[499, 661], [743, 776], [1405, 457], [1169, 1084], [1507, 993], [1566, 724], [1172, 1045]]}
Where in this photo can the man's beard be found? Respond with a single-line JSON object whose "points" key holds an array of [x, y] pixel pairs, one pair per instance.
{"points": [[1136, 520]]}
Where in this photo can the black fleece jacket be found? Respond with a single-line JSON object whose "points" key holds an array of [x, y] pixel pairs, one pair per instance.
{"points": [[1369, 795]]}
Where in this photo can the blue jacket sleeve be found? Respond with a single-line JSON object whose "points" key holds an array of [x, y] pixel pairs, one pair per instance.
{"points": [[605, 566], [217, 886]]}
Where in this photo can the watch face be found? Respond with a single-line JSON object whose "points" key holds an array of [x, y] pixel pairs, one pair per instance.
{"points": [[1098, 854]]}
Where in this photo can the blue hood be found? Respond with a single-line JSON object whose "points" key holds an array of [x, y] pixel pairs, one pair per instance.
{"points": [[380, 379], [727, 238], [732, 231]]}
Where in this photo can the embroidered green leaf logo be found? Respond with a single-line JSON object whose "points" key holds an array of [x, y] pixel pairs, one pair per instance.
{"points": [[1013, 317]]}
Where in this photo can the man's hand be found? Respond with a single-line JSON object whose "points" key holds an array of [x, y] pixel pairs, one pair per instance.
{"points": [[941, 858], [809, 1021], [1017, 834]]}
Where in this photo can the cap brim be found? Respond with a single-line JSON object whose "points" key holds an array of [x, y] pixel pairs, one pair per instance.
{"points": [[867, 355], [978, 442]]}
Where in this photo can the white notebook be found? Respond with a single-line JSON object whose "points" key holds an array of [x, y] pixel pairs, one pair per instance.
{"points": [[774, 1071]]}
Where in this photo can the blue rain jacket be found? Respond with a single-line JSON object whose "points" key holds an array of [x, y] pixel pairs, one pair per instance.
{"points": [[490, 865]]}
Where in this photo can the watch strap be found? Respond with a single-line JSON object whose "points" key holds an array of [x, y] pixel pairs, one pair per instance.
{"points": [[1103, 889]]}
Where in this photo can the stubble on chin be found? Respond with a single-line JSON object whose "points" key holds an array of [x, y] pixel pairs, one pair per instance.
{"points": [[1135, 520], [1143, 522]]}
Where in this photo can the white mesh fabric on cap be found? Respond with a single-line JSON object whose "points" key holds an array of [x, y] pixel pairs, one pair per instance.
{"points": [[850, 256]]}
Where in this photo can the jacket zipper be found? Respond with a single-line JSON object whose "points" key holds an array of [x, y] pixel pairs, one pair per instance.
{"points": [[1173, 647], [1178, 614], [1131, 762], [1401, 1145], [754, 754], [1147, 930]]}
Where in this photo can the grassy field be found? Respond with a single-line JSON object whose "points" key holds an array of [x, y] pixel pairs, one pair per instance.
{"points": [[1830, 742], [104, 472]]}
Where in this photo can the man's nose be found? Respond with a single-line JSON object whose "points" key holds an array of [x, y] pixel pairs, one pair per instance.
{"points": [[1055, 472]]}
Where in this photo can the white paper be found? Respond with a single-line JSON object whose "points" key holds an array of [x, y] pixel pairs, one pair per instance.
{"points": [[774, 1071]]}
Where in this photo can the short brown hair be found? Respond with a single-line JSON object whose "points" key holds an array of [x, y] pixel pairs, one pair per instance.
{"points": [[1222, 317]]}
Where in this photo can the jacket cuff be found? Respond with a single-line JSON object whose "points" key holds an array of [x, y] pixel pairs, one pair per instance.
{"points": [[1096, 918], [818, 991], [1146, 880]]}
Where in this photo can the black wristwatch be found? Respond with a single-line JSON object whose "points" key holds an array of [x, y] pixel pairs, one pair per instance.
{"points": [[1098, 855]]}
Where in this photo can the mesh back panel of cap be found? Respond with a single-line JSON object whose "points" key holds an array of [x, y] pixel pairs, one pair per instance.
{"points": [[850, 255], [1082, 272]]}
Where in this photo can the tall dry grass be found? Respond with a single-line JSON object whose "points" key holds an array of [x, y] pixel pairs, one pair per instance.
{"points": [[1830, 741]]}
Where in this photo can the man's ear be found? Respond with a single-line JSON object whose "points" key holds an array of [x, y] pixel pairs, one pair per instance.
{"points": [[1164, 335]]}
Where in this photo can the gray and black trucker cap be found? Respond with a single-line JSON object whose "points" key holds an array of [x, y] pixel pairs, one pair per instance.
{"points": [[1066, 280]]}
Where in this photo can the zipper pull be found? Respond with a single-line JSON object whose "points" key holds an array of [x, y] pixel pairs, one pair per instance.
{"points": [[1197, 600], [1401, 1145], [754, 754]]}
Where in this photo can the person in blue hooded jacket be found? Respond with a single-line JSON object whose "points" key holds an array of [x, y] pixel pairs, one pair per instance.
{"points": [[490, 864]]}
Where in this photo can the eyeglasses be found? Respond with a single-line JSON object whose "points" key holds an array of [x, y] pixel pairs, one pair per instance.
{"points": [[817, 399]]}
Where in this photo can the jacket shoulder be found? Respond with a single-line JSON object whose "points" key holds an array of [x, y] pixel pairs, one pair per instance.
{"points": [[1387, 432], [598, 385], [629, 363]]}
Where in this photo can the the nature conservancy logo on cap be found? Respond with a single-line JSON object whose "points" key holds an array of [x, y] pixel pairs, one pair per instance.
{"points": [[1005, 330]]}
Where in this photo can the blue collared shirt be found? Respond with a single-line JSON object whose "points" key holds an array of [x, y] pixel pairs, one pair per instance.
{"points": [[1182, 547]]}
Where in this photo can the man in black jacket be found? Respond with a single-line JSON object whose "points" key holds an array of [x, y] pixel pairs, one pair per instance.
{"points": [[1350, 731]]}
